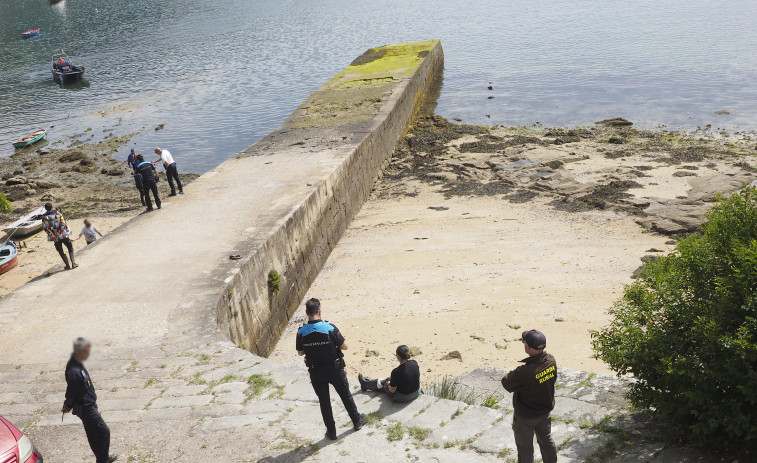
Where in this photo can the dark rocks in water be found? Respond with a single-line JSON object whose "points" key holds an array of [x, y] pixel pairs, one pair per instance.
{"points": [[684, 173], [439, 208], [18, 172], [457, 119], [644, 168], [160, 127], [490, 97], [615, 122], [554, 164], [616, 141], [722, 112], [490, 87], [86, 162]]}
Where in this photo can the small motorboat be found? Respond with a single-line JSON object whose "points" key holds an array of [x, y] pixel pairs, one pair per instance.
{"points": [[8, 256], [30, 33], [30, 139], [27, 226], [65, 72]]}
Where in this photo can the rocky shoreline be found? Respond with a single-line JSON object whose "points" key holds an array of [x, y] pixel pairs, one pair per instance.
{"points": [[86, 179], [667, 180]]}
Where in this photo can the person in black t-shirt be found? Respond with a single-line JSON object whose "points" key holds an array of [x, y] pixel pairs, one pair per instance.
{"points": [[322, 344], [404, 384]]}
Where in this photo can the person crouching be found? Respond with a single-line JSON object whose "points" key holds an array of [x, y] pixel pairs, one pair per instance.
{"points": [[404, 384]]}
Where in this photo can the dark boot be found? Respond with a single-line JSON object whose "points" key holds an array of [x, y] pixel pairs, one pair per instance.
{"points": [[331, 434], [368, 384], [73, 262], [65, 261], [112, 458]]}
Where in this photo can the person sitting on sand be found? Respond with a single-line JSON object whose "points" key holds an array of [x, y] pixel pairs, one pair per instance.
{"points": [[404, 384], [90, 232]]}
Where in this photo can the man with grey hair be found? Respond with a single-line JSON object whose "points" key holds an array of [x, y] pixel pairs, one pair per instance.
{"points": [[82, 401]]}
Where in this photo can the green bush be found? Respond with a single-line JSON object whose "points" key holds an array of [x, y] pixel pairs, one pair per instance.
{"points": [[687, 328], [274, 281], [5, 205]]}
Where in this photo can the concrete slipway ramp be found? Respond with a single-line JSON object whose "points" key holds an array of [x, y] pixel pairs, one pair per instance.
{"points": [[174, 321]]}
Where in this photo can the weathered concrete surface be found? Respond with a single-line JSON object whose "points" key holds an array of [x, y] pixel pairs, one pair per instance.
{"points": [[349, 128], [172, 387]]}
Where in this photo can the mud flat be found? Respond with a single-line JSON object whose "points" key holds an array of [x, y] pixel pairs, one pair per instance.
{"points": [[476, 233]]}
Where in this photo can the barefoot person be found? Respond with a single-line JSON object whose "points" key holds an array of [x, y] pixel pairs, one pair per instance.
{"points": [[82, 401], [404, 384], [58, 232], [89, 232], [322, 344], [533, 388], [171, 172]]}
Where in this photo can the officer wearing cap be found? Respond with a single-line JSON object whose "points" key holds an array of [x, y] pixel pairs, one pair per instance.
{"points": [[533, 388], [322, 344]]}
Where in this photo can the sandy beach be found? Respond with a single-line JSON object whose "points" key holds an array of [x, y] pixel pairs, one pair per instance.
{"points": [[39, 256], [453, 256]]}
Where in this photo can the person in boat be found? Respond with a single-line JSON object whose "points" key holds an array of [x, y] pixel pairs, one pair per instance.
{"points": [[131, 161], [63, 65], [89, 232], [171, 172], [149, 180], [403, 385], [58, 232]]}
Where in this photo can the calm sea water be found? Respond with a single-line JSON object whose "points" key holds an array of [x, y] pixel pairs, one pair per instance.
{"points": [[221, 75]]}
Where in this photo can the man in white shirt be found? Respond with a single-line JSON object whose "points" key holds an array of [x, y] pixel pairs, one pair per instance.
{"points": [[171, 172]]}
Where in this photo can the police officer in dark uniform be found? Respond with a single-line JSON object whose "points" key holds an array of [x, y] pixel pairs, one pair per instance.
{"points": [[149, 180], [533, 388], [322, 344], [82, 400]]}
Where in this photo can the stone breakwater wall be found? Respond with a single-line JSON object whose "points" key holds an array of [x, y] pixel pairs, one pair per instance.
{"points": [[353, 124]]}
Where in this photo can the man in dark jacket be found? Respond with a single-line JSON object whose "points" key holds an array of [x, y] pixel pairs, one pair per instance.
{"points": [[533, 388], [322, 344], [131, 161], [82, 401], [149, 180]]}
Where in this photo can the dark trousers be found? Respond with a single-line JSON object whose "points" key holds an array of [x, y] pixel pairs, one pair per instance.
{"points": [[173, 174], [59, 247], [524, 430], [148, 187], [98, 433], [140, 187], [321, 378]]}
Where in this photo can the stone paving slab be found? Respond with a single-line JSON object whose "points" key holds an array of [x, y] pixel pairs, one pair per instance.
{"points": [[437, 413], [469, 424]]}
